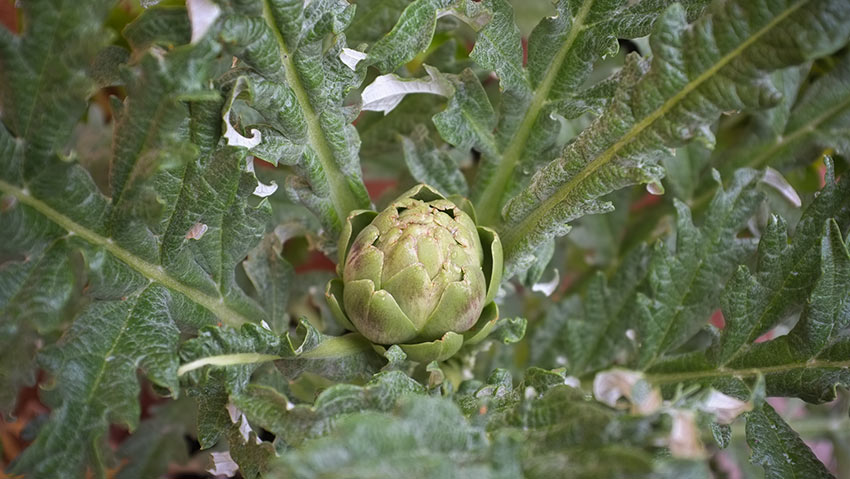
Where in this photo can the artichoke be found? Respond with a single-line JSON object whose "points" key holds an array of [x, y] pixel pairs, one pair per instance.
{"points": [[419, 274]]}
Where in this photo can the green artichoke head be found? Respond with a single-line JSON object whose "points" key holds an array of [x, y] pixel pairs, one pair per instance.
{"points": [[418, 274]]}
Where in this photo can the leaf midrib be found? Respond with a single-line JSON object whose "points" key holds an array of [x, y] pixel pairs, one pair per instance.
{"points": [[157, 273], [42, 68], [514, 234], [680, 377], [716, 241], [491, 198], [804, 129], [342, 197]]}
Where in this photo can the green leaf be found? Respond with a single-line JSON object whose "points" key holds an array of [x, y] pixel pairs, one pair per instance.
{"points": [[154, 259], [809, 362], [468, 120], [778, 449], [684, 286], [785, 273], [432, 166], [165, 26], [426, 435], [410, 35], [44, 72], [272, 277], [240, 352], [593, 332], [669, 102], [251, 454], [158, 442], [96, 364], [561, 53], [234, 356], [558, 425], [656, 299], [373, 19], [292, 86], [819, 120], [294, 424]]}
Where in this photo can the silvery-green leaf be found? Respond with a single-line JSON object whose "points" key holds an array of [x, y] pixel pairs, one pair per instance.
{"points": [[671, 100], [297, 84], [432, 166]]}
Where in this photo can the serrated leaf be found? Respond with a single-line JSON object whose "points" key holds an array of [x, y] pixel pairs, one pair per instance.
{"points": [[468, 120], [561, 52], [158, 255], [685, 285], [294, 424], [785, 273], [809, 362], [669, 102], [96, 362], [234, 356], [250, 453], [432, 166], [295, 86], [778, 449], [819, 120], [595, 336], [427, 435], [559, 426]]}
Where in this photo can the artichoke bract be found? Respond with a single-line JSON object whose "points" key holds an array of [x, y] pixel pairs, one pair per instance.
{"points": [[420, 274]]}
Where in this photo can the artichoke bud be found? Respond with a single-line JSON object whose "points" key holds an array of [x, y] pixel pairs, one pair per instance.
{"points": [[419, 272]]}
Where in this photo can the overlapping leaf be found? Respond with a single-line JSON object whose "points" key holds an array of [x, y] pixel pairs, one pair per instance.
{"points": [[809, 362], [287, 97], [808, 276], [561, 53], [535, 429], [810, 123], [429, 436], [293, 424], [658, 298], [160, 248], [590, 332], [670, 101]]}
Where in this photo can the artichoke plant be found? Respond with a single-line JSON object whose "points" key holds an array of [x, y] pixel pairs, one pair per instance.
{"points": [[420, 274]]}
